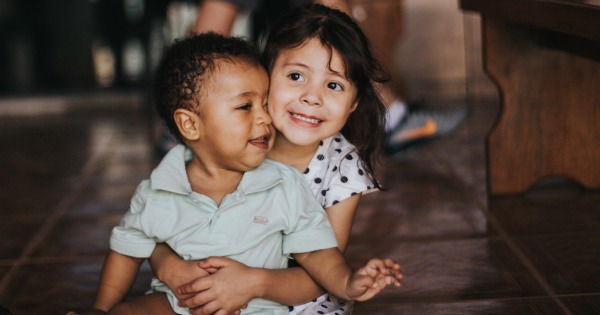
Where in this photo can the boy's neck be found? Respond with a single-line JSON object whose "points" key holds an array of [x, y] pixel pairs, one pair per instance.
{"points": [[297, 156], [212, 181]]}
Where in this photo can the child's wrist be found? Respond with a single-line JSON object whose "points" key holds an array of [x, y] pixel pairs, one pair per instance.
{"points": [[260, 281]]}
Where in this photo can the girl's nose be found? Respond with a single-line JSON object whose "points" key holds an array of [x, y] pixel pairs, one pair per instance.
{"points": [[311, 96]]}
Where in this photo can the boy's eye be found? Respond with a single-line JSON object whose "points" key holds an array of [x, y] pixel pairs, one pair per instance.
{"points": [[335, 86], [296, 76], [245, 107]]}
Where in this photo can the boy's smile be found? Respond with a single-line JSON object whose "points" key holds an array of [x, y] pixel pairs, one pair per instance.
{"points": [[310, 96]]}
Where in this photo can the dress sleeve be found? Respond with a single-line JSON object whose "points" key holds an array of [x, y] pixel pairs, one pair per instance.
{"points": [[130, 237], [348, 179], [308, 227]]}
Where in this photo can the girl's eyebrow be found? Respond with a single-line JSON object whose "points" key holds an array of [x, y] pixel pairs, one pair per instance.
{"points": [[298, 64]]}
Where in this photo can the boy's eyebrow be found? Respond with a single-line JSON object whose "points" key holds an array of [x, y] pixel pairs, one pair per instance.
{"points": [[244, 94], [298, 64]]}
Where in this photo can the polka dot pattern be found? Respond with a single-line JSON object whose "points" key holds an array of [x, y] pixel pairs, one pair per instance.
{"points": [[325, 304], [335, 173]]}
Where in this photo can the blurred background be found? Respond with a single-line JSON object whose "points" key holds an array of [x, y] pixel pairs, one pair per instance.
{"points": [[51, 47]]}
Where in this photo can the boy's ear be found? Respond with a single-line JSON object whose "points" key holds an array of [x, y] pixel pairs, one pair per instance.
{"points": [[188, 124]]}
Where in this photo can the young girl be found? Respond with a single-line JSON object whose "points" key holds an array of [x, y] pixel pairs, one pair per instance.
{"points": [[330, 126]]}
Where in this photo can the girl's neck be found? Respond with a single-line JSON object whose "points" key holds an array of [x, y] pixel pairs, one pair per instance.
{"points": [[297, 156]]}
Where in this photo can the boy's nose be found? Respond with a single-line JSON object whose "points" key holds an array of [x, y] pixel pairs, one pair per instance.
{"points": [[263, 117]]}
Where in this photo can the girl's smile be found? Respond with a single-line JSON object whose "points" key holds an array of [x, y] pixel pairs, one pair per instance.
{"points": [[305, 120]]}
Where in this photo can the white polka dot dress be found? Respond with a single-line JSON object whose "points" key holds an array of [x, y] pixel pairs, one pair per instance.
{"points": [[334, 174]]}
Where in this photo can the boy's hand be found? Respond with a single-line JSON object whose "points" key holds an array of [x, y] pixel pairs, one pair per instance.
{"points": [[229, 288], [371, 279]]}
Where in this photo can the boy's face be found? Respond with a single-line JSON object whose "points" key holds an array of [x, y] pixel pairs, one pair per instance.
{"points": [[236, 130], [310, 97]]}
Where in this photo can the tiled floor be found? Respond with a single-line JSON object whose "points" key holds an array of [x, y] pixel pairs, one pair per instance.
{"points": [[67, 178]]}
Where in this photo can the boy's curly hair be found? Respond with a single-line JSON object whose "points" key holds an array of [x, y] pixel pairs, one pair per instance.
{"points": [[187, 64]]}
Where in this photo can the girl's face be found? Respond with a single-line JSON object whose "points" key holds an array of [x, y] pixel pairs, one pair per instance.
{"points": [[310, 97]]}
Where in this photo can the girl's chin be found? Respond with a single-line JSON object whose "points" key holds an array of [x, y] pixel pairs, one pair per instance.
{"points": [[302, 141]]}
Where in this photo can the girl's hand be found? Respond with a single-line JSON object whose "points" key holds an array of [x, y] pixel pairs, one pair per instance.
{"points": [[371, 279], [228, 289], [180, 272]]}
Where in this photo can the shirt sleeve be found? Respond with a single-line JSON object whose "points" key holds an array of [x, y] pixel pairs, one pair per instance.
{"points": [[349, 179], [130, 237], [309, 227]]}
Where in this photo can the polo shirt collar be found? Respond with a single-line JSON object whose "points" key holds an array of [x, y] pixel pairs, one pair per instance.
{"points": [[265, 176], [170, 175]]}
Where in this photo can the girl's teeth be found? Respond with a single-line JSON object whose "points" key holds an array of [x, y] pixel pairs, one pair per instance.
{"points": [[309, 120]]}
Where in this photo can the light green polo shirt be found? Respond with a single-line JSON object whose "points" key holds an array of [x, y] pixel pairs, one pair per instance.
{"points": [[271, 215]]}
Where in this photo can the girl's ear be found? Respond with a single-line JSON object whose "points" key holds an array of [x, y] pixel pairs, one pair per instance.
{"points": [[354, 106], [188, 123]]}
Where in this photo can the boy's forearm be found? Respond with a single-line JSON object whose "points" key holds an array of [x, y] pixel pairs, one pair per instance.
{"points": [[328, 268], [118, 273], [291, 286]]}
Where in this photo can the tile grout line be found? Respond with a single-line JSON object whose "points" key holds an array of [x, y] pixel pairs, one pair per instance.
{"points": [[59, 211], [512, 245]]}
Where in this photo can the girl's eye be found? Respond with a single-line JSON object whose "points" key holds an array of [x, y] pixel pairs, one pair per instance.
{"points": [[296, 76], [335, 86], [245, 107]]}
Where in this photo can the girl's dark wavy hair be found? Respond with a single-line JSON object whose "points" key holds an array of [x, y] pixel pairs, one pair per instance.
{"points": [[187, 64], [336, 30]]}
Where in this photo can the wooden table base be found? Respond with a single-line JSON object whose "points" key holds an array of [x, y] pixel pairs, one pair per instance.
{"points": [[550, 118]]}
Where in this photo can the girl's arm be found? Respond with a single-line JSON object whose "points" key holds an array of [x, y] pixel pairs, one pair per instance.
{"points": [[172, 270], [118, 273], [291, 286], [329, 268]]}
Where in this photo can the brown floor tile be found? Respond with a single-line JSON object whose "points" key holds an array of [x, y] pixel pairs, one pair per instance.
{"points": [[553, 211], [79, 236], [569, 262], [31, 194], [15, 233], [4, 270], [451, 270], [104, 198], [589, 304], [409, 218], [55, 288], [485, 307]]}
